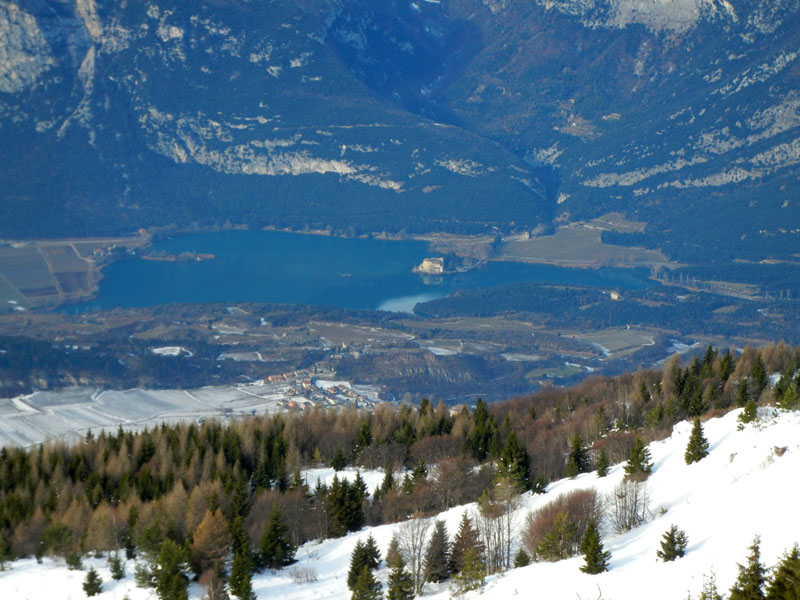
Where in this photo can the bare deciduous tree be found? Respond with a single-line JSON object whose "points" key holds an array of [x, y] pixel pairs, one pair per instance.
{"points": [[412, 536], [629, 505]]}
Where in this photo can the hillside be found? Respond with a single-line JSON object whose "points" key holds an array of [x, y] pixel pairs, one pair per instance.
{"points": [[742, 489], [462, 115]]}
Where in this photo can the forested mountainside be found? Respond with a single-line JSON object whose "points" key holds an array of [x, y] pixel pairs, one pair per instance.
{"points": [[221, 502], [527, 438], [460, 115]]}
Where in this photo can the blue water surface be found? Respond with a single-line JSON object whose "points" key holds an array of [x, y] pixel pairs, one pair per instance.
{"points": [[270, 266]]}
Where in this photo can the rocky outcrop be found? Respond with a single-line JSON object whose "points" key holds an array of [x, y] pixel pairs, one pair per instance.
{"points": [[24, 52]]}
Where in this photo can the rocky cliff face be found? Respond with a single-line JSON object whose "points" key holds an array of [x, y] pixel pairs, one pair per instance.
{"points": [[462, 114]]}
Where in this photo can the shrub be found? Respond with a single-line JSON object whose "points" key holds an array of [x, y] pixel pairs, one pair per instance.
{"points": [[303, 574], [576, 508]]}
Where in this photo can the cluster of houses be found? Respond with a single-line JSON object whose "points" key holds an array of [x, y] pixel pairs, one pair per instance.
{"points": [[304, 388]]}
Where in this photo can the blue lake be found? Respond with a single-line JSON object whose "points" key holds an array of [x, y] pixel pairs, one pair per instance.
{"points": [[269, 266]]}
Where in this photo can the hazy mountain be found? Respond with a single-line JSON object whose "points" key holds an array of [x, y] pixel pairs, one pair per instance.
{"points": [[458, 115]]}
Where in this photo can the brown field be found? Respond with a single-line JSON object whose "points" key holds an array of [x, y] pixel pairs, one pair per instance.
{"points": [[26, 270], [579, 246], [64, 258], [617, 342]]}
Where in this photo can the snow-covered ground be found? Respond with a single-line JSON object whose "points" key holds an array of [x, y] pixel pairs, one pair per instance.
{"points": [[743, 488]]}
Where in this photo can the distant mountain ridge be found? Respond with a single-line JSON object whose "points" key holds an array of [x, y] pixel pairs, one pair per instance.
{"points": [[460, 115]]}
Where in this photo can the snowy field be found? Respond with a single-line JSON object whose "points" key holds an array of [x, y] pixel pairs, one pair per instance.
{"points": [[68, 414], [743, 488]]}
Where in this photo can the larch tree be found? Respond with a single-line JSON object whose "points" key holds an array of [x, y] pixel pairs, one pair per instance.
{"points": [[212, 540]]}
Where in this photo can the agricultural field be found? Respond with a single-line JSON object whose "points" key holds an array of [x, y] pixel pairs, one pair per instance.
{"points": [[68, 414], [49, 273], [578, 245]]}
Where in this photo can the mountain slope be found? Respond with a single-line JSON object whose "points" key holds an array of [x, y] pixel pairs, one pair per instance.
{"points": [[743, 488], [460, 115]]}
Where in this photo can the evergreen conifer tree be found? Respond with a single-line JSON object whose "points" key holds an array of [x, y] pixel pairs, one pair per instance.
{"points": [[471, 575], [275, 550], [401, 583], [92, 583], [750, 582], [338, 462], [595, 557], [515, 462], [749, 413], [366, 586], [437, 555], [521, 559], [116, 566], [357, 563], [240, 579], [372, 553], [578, 461], [742, 395], [758, 375], [393, 555], [243, 565], [170, 571], [388, 481], [673, 544], [785, 583], [466, 538], [240, 543], [345, 507], [639, 465], [697, 448], [710, 591], [5, 552], [560, 541], [602, 464], [365, 554]]}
